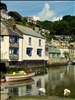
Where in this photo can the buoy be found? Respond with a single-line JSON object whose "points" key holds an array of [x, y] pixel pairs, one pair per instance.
{"points": [[2, 80]]}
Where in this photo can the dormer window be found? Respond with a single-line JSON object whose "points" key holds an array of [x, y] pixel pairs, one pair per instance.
{"points": [[13, 39], [29, 41]]}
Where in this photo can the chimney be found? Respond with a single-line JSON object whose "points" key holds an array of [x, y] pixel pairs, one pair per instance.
{"points": [[10, 23], [14, 27]]}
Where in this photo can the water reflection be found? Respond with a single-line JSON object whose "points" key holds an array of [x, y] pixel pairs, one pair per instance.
{"points": [[57, 79], [27, 87], [61, 78]]}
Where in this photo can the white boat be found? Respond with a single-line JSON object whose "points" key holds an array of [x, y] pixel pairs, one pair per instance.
{"points": [[72, 62], [18, 76]]}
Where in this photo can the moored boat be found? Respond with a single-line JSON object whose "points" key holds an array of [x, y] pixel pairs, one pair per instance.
{"points": [[72, 62], [19, 76]]}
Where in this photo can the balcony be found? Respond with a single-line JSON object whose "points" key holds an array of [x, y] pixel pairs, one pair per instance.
{"points": [[13, 45], [14, 57], [54, 51]]}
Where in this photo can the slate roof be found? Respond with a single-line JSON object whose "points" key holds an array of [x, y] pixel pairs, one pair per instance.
{"points": [[8, 31], [28, 31]]}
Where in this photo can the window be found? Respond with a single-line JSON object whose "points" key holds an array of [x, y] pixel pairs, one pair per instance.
{"points": [[38, 84], [13, 51], [28, 88], [39, 42], [29, 51], [1, 38], [16, 39], [55, 48], [13, 39], [39, 52], [46, 49], [58, 55], [49, 55], [50, 47], [53, 55], [29, 41]]}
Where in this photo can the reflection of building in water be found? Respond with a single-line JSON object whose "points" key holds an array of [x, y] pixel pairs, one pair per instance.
{"points": [[55, 77], [29, 88], [71, 71]]}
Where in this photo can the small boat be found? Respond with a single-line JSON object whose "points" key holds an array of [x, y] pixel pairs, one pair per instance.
{"points": [[72, 62], [18, 76]]}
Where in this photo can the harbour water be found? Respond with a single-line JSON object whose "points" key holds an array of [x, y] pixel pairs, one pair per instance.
{"points": [[57, 79]]}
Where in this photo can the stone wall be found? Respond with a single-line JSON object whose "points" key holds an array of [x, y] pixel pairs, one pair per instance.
{"points": [[27, 63], [56, 60]]}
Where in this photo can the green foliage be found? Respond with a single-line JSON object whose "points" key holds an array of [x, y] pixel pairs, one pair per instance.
{"points": [[49, 38], [66, 54], [16, 16], [3, 6], [66, 26]]}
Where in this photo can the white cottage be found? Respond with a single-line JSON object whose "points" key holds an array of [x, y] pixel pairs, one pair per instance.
{"points": [[33, 46], [21, 46], [10, 45]]}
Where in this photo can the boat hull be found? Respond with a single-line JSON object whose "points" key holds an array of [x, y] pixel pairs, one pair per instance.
{"points": [[10, 77], [71, 62]]}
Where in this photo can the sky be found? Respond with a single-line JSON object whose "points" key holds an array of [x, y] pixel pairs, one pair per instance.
{"points": [[42, 10]]}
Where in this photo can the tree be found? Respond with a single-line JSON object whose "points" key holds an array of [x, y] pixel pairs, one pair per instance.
{"points": [[60, 27], [72, 31], [15, 15], [66, 54], [3, 6]]}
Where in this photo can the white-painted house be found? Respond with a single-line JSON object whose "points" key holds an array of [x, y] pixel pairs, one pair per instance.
{"points": [[22, 46], [11, 45], [62, 50], [33, 46]]}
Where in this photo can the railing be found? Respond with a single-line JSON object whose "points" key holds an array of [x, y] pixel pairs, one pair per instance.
{"points": [[13, 44], [54, 51], [14, 57]]}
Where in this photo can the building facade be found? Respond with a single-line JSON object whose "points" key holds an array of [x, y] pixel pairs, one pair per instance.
{"points": [[53, 53], [72, 52], [11, 45], [21, 46], [31, 20], [33, 46]]}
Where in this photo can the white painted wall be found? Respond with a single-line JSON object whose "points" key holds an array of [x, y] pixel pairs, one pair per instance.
{"points": [[20, 49], [35, 46], [63, 50], [5, 48], [23, 44]]}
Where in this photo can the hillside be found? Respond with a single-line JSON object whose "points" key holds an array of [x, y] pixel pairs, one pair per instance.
{"points": [[66, 26]]}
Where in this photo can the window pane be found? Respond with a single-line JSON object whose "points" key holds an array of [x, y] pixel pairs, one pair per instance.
{"points": [[29, 51], [39, 52]]}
